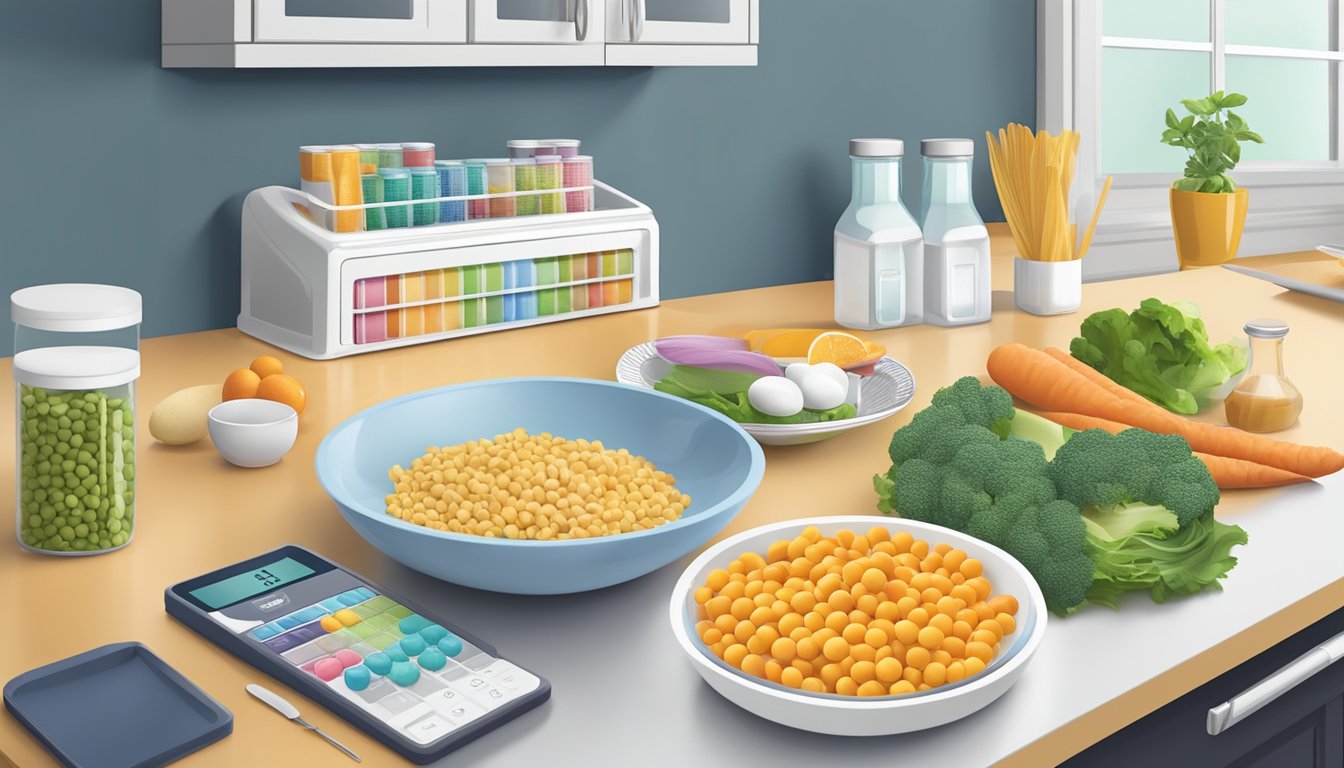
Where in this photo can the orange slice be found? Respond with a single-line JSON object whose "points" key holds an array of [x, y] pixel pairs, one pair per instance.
{"points": [[835, 347]]}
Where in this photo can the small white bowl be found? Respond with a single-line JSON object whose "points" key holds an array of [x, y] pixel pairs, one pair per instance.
{"points": [[852, 716], [253, 432]]}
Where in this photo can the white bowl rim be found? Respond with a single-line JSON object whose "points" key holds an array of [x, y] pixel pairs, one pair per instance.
{"points": [[794, 430], [741, 495], [215, 414], [677, 614]]}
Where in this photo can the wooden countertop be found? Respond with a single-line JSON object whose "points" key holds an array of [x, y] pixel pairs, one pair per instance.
{"points": [[196, 512]]}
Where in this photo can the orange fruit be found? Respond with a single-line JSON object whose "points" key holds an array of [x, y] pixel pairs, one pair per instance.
{"points": [[241, 384], [283, 388], [267, 365], [836, 347]]}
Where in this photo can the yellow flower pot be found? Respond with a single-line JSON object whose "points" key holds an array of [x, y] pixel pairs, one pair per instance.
{"points": [[1208, 226]]}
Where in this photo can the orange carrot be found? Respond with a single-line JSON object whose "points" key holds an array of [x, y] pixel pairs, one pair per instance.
{"points": [[1227, 473], [1095, 376], [1045, 382]]}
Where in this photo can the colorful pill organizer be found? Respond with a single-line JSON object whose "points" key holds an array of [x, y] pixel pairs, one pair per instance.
{"points": [[417, 684]]}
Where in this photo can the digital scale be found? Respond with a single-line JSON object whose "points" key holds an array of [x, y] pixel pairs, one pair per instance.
{"points": [[418, 684]]}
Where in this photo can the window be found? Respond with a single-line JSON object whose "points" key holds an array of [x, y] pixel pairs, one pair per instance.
{"points": [[1111, 68]]}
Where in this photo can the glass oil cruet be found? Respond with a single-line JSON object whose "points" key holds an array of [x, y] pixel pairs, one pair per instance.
{"points": [[1264, 401]]}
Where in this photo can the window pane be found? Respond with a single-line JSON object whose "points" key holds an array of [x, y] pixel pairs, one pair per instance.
{"points": [[1186, 20], [1137, 88], [1280, 23], [1289, 106], [696, 11]]}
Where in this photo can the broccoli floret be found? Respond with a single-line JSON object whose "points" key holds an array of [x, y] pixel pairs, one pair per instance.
{"points": [[1096, 469], [956, 465]]}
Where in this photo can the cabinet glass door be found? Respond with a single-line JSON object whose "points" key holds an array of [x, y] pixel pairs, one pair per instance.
{"points": [[680, 21], [361, 21], [537, 21]]}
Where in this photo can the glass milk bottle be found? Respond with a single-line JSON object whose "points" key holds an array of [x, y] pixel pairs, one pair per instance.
{"points": [[956, 243], [879, 256]]}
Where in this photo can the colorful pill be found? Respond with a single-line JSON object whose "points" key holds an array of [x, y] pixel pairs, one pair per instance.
{"points": [[378, 663], [433, 634], [404, 673], [328, 669], [395, 653], [413, 645], [432, 659], [451, 645], [348, 658], [357, 678], [412, 624]]}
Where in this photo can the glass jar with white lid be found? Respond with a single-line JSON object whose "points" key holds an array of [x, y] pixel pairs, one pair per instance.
{"points": [[75, 365]]}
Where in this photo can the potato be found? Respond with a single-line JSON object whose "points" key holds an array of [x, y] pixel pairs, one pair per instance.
{"points": [[180, 418]]}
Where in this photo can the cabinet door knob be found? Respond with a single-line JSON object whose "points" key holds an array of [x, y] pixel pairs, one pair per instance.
{"points": [[1255, 698], [581, 20]]}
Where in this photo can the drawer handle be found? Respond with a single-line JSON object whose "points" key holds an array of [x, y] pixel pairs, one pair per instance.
{"points": [[1253, 699], [636, 20]]}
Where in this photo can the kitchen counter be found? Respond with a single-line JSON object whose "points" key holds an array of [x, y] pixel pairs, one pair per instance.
{"points": [[623, 694]]}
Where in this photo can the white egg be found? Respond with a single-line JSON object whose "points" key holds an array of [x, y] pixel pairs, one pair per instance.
{"points": [[821, 392], [775, 396], [834, 372], [796, 371]]}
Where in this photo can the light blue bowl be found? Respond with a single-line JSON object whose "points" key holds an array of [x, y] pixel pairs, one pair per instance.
{"points": [[712, 458]]}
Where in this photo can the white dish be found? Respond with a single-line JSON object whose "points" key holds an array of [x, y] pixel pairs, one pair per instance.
{"points": [[253, 432], [878, 716], [890, 388]]}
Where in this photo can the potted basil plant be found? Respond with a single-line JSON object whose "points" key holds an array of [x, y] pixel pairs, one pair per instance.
{"points": [[1208, 209]]}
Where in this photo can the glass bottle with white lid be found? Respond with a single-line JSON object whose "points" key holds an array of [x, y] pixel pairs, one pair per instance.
{"points": [[879, 253], [76, 360], [956, 243], [1265, 400]]}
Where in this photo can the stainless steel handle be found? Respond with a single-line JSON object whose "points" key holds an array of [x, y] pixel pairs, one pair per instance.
{"points": [[1255, 698], [581, 20], [636, 20]]}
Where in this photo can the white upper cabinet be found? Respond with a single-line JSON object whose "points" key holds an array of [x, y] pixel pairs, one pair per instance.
{"points": [[538, 21], [374, 21], [679, 22], [458, 33]]}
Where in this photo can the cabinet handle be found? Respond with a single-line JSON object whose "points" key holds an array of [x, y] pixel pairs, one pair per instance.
{"points": [[581, 20], [1253, 699], [636, 20]]}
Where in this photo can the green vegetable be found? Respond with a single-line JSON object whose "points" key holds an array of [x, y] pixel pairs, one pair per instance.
{"points": [[1214, 142], [726, 392], [76, 469], [1160, 351], [1088, 513]]}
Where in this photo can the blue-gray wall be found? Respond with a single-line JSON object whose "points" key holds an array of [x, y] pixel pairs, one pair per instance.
{"points": [[116, 170]]}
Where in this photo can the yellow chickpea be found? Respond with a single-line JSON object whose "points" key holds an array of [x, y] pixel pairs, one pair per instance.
{"points": [[917, 657], [901, 687], [846, 686], [935, 674], [930, 638]]}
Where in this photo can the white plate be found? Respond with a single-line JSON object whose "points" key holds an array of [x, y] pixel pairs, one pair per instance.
{"points": [[890, 388], [850, 716]]}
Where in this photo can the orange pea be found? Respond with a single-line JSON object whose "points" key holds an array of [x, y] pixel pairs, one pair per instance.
{"points": [[803, 601], [919, 616], [753, 665], [784, 649], [1006, 623], [872, 688], [876, 637], [942, 657], [862, 652], [1003, 604], [971, 568], [814, 685], [974, 665], [831, 674], [931, 596], [980, 651], [901, 687], [854, 633], [791, 677], [952, 560], [725, 623], [906, 632], [902, 540], [912, 676], [962, 629], [807, 648], [920, 549], [888, 670], [773, 670], [956, 672], [917, 657], [931, 638], [835, 649], [943, 622], [846, 686], [734, 654], [955, 646], [863, 671], [935, 674]]}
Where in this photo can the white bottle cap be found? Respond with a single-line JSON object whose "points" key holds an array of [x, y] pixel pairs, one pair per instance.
{"points": [[75, 307], [1266, 328], [876, 148], [76, 368], [947, 148], [417, 145]]}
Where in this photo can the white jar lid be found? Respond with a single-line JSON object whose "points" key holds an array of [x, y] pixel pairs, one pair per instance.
{"points": [[560, 142], [75, 307], [77, 368], [947, 148], [876, 147]]}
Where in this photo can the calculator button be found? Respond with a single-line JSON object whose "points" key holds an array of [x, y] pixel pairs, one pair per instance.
{"points": [[295, 637], [454, 706], [426, 686], [378, 662], [398, 702], [378, 689], [348, 658], [383, 621], [362, 649], [347, 617], [478, 662], [412, 624], [428, 728], [404, 673], [495, 693], [395, 652], [433, 633], [363, 630], [454, 673], [287, 622], [331, 624], [333, 643], [303, 654], [308, 614], [413, 645], [399, 611], [432, 659], [451, 646], [381, 603], [350, 598], [365, 611], [328, 669], [477, 683], [265, 631], [332, 604], [382, 641], [357, 678], [365, 593]]}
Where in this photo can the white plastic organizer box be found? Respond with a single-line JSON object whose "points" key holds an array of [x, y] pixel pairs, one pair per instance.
{"points": [[323, 294]]}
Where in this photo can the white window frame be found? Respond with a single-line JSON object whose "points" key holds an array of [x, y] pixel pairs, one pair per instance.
{"points": [[1294, 206]]}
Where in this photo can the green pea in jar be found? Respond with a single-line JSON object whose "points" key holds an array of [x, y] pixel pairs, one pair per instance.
{"points": [[75, 421]]}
